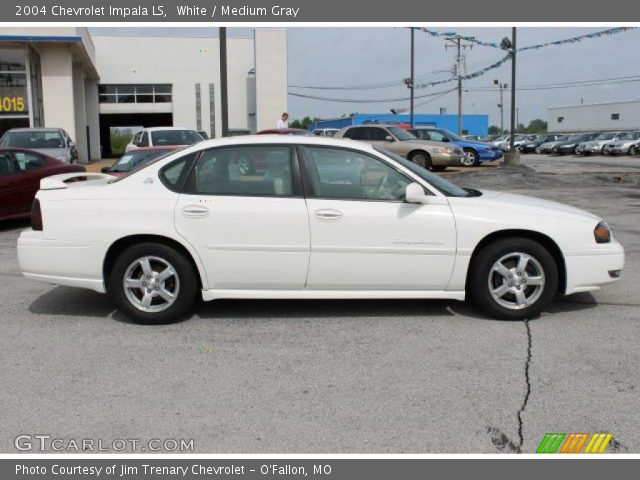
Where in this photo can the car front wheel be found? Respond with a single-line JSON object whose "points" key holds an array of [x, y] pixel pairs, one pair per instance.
{"points": [[513, 279], [153, 283], [471, 158]]}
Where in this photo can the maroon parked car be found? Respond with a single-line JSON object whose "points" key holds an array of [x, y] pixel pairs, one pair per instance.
{"points": [[20, 174]]}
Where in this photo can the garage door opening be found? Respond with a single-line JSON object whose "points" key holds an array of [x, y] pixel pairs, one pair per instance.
{"points": [[131, 120]]}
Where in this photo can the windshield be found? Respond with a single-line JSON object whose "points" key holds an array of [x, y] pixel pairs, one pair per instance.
{"points": [[605, 136], [447, 188], [579, 138], [454, 137], [132, 159], [401, 134], [33, 139], [628, 136], [175, 137]]}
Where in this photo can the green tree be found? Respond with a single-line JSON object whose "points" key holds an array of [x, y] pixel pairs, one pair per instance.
{"points": [[494, 130], [537, 126], [302, 123]]}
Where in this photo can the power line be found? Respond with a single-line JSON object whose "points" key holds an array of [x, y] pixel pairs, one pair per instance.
{"points": [[369, 100], [571, 84]]}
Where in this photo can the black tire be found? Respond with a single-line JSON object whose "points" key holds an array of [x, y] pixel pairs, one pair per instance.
{"points": [[421, 158], [632, 150], [185, 278], [482, 273], [472, 158]]}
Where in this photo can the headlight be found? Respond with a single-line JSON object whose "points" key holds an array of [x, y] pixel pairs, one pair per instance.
{"points": [[602, 233], [442, 150]]}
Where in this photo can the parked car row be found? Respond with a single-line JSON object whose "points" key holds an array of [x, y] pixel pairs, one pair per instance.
{"points": [[586, 143]]}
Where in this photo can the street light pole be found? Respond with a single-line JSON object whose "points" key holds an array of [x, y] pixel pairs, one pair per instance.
{"points": [[412, 85], [513, 89], [224, 102]]}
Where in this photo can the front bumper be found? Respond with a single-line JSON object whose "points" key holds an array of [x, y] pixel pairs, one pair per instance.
{"points": [[490, 155], [61, 262], [589, 270], [592, 149]]}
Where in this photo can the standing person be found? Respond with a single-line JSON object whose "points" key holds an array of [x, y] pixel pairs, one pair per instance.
{"points": [[284, 121]]}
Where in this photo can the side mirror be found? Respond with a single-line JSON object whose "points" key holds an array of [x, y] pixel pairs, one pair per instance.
{"points": [[415, 194], [105, 169], [389, 138]]}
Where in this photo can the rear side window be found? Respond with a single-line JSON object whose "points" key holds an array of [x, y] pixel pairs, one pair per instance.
{"points": [[244, 170], [174, 174], [355, 134]]}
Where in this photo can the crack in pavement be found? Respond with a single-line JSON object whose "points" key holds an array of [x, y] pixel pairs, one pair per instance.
{"points": [[499, 439], [527, 378]]}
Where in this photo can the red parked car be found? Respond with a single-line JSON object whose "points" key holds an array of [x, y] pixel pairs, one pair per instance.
{"points": [[135, 158], [20, 174], [284, 131]]}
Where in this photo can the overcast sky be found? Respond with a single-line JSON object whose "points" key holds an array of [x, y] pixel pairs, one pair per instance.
{"points": [[358, 56]]}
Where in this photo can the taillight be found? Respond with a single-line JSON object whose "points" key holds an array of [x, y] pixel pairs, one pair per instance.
{"points": [[36, 215]]}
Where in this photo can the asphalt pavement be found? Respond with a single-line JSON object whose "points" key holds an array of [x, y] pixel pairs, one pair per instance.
{"points": [[337, 376]]}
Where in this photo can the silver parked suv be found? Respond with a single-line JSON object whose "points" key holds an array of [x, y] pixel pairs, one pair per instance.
{"points": [[426, 153]]}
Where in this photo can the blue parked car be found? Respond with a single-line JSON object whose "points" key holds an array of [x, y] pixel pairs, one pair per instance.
{"points": [[476, 152]]}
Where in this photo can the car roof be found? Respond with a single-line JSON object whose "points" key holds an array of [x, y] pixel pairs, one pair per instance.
{"points": [[155, 129], [276, 139], [36, 129]]}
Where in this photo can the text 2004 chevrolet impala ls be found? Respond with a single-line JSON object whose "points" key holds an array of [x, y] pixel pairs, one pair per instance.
{"points": [[315, 218]]}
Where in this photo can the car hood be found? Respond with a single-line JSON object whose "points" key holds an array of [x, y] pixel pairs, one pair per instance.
{"points": [[473, 143], [52, 152], [510, 202]]}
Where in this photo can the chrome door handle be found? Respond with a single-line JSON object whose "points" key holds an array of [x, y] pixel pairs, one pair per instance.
{"points": [[328, 214], [195, 211]]}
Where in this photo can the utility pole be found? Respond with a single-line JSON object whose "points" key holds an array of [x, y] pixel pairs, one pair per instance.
{"points": [[457, 42], [224, 102], [413, 31]]}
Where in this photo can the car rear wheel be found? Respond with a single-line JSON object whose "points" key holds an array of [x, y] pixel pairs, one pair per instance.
{"points": [[421, 159], [153, 283], [513, 279], [471, 158]]}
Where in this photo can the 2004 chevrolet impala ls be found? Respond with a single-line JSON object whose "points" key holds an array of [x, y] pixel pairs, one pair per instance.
{"points": [[312, 218]]}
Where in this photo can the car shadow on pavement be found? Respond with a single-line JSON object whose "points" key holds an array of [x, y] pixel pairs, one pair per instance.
{"points": [[72, 302], [270, 309], [67, 301], [14, 224]]}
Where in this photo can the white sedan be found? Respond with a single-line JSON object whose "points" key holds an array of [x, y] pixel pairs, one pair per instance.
{"points": [[317, 218], [163, 137]]}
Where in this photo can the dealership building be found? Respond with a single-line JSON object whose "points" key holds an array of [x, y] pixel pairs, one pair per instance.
{"points": [[89, 83], [595, 117]]}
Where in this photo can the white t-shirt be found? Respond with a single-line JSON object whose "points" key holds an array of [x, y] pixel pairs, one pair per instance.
{"points": [[282, 124]]}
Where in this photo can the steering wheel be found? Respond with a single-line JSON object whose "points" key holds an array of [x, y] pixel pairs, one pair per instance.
{"points": [[381, 184]]}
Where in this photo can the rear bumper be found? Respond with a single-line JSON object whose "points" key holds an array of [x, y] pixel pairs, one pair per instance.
{"points": [[61, 262], [589, 270]]}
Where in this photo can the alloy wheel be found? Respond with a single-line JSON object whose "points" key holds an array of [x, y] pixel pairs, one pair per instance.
{"points": [[151, 284], [516, 281]]}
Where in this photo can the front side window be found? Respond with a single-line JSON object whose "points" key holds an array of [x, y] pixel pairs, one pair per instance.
{"points": [[355, 134], [401, 134], [244, 170], [376, 134], [346, 174], [144, 140]]}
